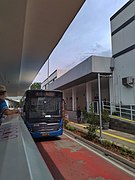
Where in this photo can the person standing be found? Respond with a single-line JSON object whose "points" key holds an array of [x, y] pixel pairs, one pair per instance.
{"points": [[4, 110], [78, 114]]}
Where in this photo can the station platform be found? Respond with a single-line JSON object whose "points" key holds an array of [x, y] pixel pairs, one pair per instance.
{"points": [[120, 138], [19, 156]]}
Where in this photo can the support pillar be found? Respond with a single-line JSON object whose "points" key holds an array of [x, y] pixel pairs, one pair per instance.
{"points": [[73, 99], [63, 95], [112, 97], [88, 95]]}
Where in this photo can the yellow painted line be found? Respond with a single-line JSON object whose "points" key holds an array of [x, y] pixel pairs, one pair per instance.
{"points": [[81, 125], [112, 135], [125, 119], [118, 137]]}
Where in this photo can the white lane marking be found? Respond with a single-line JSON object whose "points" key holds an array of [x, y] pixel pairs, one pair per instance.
{"points": [[112, 162]]}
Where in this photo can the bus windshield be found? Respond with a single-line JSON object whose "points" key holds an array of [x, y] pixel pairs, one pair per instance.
{"points": [[45, 107]]}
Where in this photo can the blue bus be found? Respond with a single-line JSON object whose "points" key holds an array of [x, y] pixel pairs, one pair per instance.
{"points": [[42, 112]]}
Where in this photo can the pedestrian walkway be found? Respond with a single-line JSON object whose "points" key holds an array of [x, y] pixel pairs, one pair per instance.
{"points": [[120, 138]]}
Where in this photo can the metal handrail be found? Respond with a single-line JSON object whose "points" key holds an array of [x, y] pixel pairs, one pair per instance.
{"points": [[115, 108]]}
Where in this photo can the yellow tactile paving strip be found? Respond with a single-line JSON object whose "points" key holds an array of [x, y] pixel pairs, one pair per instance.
{"points": [[118, 137], [109, 134], [125, 119]]}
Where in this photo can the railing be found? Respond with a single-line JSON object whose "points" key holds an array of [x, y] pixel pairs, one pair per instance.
{"points": [[125, 111]]}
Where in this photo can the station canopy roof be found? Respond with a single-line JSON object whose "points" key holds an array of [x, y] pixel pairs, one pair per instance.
{"points": [[29, 31]]}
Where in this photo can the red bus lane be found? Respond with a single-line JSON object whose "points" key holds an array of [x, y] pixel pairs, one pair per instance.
{"points": [[68, 160]]}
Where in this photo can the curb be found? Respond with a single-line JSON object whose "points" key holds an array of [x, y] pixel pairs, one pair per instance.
{"points": [[105, 151]]}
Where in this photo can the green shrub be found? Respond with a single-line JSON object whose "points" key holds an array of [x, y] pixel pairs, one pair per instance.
{"points": [[105, 116], [91, 132], [132, 154], [70, 128], [126, 151], [93, 123], [107, 143]]}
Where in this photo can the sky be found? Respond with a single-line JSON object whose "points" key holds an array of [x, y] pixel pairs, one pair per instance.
{"points": [[88, 34]]}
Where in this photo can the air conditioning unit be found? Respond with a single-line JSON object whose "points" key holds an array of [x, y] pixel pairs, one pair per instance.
{"points": [[128, 81]]}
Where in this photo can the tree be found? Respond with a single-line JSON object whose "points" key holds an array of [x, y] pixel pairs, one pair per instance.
{"points": [[36, 85]]}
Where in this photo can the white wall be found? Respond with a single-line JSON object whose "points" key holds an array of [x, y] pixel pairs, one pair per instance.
{"points": [[123, 16], [124, 38], [124, 67], [124, 63]]}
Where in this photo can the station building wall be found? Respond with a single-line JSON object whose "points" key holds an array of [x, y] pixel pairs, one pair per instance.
{"points": [[123, 53]]}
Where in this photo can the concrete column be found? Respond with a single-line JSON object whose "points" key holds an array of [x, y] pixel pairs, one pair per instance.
{"points": [[73, 99], [64, 95], [88, 94], [111, 88]]}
